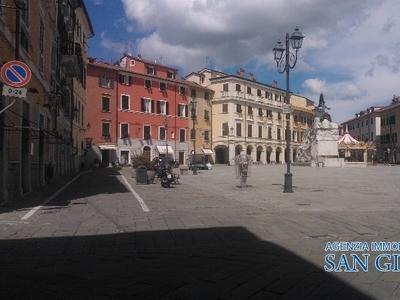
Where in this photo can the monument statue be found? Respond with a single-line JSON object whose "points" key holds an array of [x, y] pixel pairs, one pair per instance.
{"points": [[322, 108]]}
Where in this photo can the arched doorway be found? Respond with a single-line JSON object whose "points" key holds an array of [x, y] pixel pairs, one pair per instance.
{"points": [[278, 154], [259, 151], [249, 149], [269, 151], [147, 152], [238, 149], [221, 156]]}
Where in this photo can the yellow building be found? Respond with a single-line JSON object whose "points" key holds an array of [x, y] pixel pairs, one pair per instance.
{"points": [[37, 130], [247, 117], [303, 116]]}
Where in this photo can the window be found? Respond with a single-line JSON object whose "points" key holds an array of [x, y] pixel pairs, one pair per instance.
{"points": [[162, 107], [192, 93], [278, 132], [106, 82], [277, 97], [192, 134], [124, 130], [260, 131], [372, 121], [170, 75], [268, 95], [147, 105], [163, 86], [206, 96], [249, 90], [260, 112], [147, 132], [295, 118], [206, 135], [269, 133], [250, 110], [225, 107], [182, 110], [151, 71], [259, 93], [162, 133], [225, 87], [250, 130], [105, 103], [182, 135], [105, 129], [279, 115], [269, 113], [147, 84], [238, 129], [238, 88], [123, 79], [225, 129], [372, 136], [206, 115], [238, 108], [182, 90], [125, 101]]}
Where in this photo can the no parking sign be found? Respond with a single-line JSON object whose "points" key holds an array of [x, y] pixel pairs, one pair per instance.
{"points": [[15, 73]]}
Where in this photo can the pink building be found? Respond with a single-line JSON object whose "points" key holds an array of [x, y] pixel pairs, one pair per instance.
{"points": [[136, 107]]}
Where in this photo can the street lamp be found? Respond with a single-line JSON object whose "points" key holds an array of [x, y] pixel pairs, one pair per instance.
{"points": [[285, 60], [193, 106]]}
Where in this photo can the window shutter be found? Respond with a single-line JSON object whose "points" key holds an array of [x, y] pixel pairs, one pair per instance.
{"points": [[179, 110], [152, 106], [143, 106], [166, 108], [158, 107]]}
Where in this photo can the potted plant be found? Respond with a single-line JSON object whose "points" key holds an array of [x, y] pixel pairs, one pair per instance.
{"points": [[375, 160], [139, 160], [386, 161]]}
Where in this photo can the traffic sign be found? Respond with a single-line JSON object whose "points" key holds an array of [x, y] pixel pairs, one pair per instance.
{"points": [[15, 73], [14, 92], [287, 108]]}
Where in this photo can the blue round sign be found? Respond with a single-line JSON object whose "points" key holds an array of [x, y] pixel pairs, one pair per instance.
{"points": [[15, 73]]}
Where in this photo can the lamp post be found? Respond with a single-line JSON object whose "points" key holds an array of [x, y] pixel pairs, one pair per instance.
{"points": [[193, 106], [285, 60], [166, 121]]}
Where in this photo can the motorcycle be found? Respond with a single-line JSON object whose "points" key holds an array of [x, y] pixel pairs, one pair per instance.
{"points": [[166, 176]]}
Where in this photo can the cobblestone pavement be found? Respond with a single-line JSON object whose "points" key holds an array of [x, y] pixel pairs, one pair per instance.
{"points": [[99, 235]]}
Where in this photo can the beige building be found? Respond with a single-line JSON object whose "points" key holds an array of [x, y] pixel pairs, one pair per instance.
{"points": [[247, 117], [39, 132]]}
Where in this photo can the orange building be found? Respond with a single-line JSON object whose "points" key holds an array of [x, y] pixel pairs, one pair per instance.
{"points": [[136, 107]]}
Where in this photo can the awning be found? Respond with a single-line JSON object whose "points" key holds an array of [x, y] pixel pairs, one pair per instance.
{"points": [[163, 150], [107, 147], [207, 151]]}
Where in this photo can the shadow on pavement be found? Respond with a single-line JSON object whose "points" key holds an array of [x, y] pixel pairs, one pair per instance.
{"points": [[213, 263], [87, 183]]}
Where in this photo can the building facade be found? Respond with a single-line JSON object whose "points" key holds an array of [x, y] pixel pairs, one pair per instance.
{"points": [[389, 146], [247, 117], [142, 107], [38, 130]]}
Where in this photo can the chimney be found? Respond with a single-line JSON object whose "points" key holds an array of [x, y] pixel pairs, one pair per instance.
{"points": [[240, 73], [251, 77], [275, 83]]}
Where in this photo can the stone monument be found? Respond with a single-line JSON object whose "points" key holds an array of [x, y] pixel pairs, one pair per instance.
{"points": [[319, 146]]}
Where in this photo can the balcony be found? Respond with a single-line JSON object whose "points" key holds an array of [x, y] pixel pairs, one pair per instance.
{"points": [[70, 63]]}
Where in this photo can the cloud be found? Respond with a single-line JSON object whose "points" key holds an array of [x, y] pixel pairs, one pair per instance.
{"points": [[350, 49]]}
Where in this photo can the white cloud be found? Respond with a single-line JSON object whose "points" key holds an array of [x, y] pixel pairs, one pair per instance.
{"points": [[350, 50]]}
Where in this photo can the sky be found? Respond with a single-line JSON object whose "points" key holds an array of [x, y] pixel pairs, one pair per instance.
{"points": [[350, 53]]}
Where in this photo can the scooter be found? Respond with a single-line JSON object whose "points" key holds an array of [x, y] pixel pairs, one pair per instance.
{"points": [[166, 176]]}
